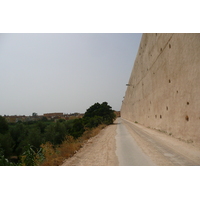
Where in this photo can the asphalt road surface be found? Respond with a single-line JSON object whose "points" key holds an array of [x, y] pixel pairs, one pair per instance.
{"points": [[140, 146], [127, 150]]}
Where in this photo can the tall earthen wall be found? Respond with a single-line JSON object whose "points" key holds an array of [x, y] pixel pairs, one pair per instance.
{"points": [[164, 87]]}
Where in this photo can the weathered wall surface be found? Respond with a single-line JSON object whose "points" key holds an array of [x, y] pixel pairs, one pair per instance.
{"points": [[164, 87]]}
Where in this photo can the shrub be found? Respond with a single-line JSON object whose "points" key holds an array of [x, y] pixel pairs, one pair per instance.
{"points": [[4, 161], [98, 114], [3, 125]]}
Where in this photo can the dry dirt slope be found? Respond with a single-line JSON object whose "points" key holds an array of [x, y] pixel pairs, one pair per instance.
{"points": [[98, 151]]}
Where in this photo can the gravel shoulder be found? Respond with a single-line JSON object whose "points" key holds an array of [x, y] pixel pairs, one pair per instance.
{"points": [[97, 151]]}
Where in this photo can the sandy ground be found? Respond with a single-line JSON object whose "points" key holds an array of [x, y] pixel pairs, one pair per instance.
{"points": [[98, 151], [161, 149]]}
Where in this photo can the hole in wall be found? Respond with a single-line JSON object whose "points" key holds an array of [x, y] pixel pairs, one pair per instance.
{"points": [[166, 107], [160, 116], [188, 103], [169, 81], [170, 46], [186, 118], [177, 91]]}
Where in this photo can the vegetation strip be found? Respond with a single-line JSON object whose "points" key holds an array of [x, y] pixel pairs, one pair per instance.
{"points": [[47, 142]]}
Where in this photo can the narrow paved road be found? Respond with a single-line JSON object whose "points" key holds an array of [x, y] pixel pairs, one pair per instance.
{"points": [[158, 147], [127, 150], [128, 144]]}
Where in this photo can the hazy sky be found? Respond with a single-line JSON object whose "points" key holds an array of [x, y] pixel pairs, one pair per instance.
{"points": [[64, 72]]}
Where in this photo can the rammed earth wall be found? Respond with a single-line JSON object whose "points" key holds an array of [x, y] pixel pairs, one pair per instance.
{"points": [[164, 87]]}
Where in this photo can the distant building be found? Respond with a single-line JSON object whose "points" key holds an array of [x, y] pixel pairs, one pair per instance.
{"points": [[21, 118], [53, 114], [15, 118], [50, 116]]}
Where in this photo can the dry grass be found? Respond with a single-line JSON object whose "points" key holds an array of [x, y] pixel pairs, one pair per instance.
{"points": [[92, 132], [56, 156]]}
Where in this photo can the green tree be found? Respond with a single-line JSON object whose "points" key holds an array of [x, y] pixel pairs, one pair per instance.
{"points": [[34, 114], [99, 114], [50, 133], [74, 127], [61, 132], [6, 143], [4, 161], [34, 137], [91, 122], [19, 134], [107, 113], [69, 125], [41, 125], [93, 111], [3, 125], [77, 128]]}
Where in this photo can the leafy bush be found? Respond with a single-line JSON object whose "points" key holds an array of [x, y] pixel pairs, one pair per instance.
{"points": [[99, 114], [3, 125], [6, 144], [32, 157], [4, 161]]}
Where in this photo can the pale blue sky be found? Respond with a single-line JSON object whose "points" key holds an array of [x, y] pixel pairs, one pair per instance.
{"points": [[64, 72]]}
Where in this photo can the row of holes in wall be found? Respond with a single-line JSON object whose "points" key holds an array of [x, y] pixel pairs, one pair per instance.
{"points": [[167, 106], [186, 117], [154, 73]]}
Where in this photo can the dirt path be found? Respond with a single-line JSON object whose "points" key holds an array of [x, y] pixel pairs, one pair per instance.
{"points": [[98, 151]]}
